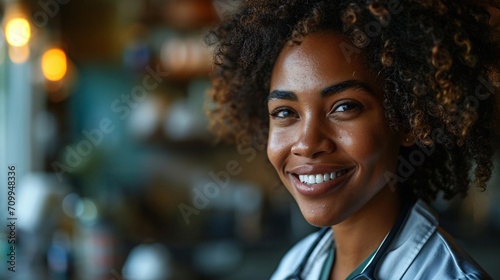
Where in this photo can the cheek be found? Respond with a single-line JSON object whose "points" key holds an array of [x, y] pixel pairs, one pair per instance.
{"points": [[278, 148], [372, 146]]}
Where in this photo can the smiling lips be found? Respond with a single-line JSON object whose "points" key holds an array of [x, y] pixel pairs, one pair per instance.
{"points": [[320, 178], [313, 185]]}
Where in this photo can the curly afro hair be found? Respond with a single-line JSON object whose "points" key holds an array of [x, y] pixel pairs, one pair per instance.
{"points": [[439, 59]]}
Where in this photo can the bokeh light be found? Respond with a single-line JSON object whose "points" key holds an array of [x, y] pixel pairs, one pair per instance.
{"points": [[54, 64], [20, 54], [18, 32]]}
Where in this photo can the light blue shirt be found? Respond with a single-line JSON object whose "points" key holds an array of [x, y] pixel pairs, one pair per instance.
{"points": [[421, 250]]}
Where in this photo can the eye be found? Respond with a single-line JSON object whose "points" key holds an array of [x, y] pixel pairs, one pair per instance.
{"points": [[282, 113], [348, 106]]}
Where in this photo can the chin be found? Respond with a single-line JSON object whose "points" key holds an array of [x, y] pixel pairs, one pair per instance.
{"points": [[320, 218], [319, 223]]}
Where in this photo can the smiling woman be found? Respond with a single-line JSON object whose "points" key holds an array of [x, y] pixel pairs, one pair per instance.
{"points": [[329, 119], [350, 92]]}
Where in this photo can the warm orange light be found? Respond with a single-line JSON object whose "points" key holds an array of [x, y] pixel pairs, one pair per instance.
{"points": [[54, 64], [17, 32]]}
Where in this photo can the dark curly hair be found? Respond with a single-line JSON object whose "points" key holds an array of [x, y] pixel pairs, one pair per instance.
{"points": [[439, 59]]}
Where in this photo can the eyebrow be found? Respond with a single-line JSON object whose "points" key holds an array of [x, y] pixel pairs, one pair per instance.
{"points": [[345, 85], [282, 94], [329, 90]]}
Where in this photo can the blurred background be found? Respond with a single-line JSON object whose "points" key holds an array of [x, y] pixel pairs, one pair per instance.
{"points": [[102, 116]]}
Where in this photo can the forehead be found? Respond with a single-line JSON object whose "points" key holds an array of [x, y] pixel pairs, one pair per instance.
{"points": [[321, 59]]}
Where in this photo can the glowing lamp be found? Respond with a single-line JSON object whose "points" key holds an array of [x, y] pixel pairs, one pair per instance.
{"points": [[54, 64], [17, 32]]}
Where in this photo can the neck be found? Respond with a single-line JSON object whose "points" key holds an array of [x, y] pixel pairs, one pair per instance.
{"points": [[361, 234]]}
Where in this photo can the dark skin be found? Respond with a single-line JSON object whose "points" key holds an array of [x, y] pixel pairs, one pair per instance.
{"points": [[331, 145]]}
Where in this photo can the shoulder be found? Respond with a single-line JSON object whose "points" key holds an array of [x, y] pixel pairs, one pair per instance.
{"points": [[293, 258], [423, 250], [446, 259]]}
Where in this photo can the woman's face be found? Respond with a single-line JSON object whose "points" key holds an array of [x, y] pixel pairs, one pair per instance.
{"points": [[329, 140]]}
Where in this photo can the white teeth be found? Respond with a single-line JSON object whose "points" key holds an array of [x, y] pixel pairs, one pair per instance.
{"points": [[320, 178], [311, 179]]}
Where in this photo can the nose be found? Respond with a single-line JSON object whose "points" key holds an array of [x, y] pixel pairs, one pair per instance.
{"points": [[314, 139]]}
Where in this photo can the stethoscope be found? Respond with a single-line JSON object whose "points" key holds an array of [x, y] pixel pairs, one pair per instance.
{"points": [[369, 272]]}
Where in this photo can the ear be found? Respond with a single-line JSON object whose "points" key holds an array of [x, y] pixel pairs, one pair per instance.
{"points": [[407, 139]]}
